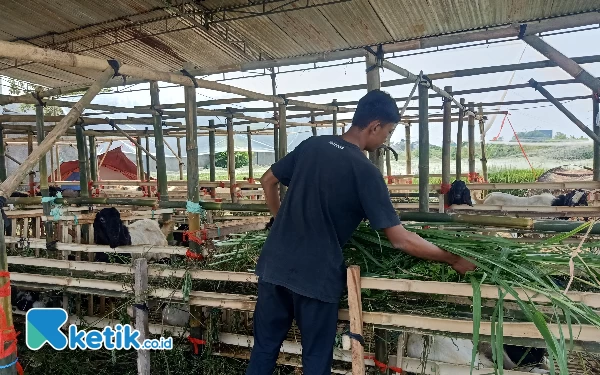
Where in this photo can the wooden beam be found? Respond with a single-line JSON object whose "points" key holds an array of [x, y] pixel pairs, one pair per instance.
{"points": [[159, 144], [459, 140], [471, 132], [53, 57], [565, 63], [356, 321], [374, 83], [446, 139], [564, 110], [231, 159], [141, 315]]}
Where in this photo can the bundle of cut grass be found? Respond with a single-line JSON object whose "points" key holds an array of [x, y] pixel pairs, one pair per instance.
{"points": [[505, 263]]}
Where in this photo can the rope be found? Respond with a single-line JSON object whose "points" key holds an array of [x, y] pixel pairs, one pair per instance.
{"points": [[56, 211], [521, 146], [196, 342], [75, 220], [187, 74], [195, 208], [382, 366], [575, 253], [186, 288]]}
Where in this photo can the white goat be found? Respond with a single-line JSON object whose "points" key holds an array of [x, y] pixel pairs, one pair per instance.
{"points": [[110, 230], [504, 199]]}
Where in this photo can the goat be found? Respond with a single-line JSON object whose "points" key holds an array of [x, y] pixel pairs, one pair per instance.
{"points": [[178, 236], [573, 198], [173, 314], [459, 194], [459, 352], [110, 230]]}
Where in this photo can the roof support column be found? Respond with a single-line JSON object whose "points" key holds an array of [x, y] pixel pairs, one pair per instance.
{"points": [[374, 83]]}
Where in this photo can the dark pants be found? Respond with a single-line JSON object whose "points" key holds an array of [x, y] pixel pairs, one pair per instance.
{"points": [[276, 307]]}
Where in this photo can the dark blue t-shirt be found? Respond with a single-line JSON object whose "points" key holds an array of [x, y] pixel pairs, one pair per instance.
{"points": [[332, 187]]}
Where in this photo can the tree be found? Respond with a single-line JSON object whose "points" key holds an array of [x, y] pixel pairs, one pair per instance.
{"points": [[561, 136], [241, 159]]}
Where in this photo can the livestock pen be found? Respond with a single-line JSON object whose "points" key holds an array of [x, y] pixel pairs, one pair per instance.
{"points": [[51, 249]]}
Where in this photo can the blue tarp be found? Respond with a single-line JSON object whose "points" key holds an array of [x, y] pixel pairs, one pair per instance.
{"points": [[72, 177]]}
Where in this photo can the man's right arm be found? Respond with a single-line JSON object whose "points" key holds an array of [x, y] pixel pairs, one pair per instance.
{"points": [[413, 244], [270, 185]]}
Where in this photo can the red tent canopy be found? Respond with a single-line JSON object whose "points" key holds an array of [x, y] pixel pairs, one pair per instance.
{"points": [[115, 160]]}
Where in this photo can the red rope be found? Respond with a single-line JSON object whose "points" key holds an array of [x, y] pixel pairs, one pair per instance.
{"points": [[501, 126], [7, 333], [192, 255], [382, 366], [522, 149], [445, 188], [196, 342]]}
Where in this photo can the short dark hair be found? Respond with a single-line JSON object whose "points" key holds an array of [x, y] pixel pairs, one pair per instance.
{"points": [[376, 105]]}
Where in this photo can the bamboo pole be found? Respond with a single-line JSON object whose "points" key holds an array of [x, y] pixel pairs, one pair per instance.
{"points": [[250, 158], [141, 315], [138, 157], [179, 158], [211, 154], [55, 57], [52, 174], [565, 63], [83, 175], [459, 137], [312, 120], [282, 143], [408, 150], [446, 134], [334, 120], [2, 155], [58, 175], [31, 173], [374, 83], [193, 190], [564, 110], [231, 160], [159, 144], [471, 130], [93, 158], [39, 111], [596, 127], [388, 160], [356, 321], [147, 151], [9, 185], [423, 147], [484, 169]]}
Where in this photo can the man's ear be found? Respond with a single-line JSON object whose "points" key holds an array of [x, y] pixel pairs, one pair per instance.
{"points": [[374, 126]]}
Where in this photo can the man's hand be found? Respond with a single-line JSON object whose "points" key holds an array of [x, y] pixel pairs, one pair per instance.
{"points": [[462, 266]]}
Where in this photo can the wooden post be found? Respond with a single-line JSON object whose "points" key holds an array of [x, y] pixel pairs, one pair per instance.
{"points": [[231, 159], [193, 189], [334, 119], [408, 150], [312, 121], [459, 134], [282, 142], [139, 158], [141, 315], [93, 158], [179, 157], [596, 127], [147, 155], [9, 185], [471, 129], [424, 146], [86, 152], [250, 161], [2, 155], [31, 173], [39, 113], [159, 144], [374, 83], [482, 134], [356, 322], [446, 133]]}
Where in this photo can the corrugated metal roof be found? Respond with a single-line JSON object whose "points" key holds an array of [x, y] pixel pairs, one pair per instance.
{"points": [[150, 34]]}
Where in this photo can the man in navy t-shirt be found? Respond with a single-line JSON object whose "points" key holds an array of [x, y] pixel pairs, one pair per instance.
{"points": [[332, 187]]}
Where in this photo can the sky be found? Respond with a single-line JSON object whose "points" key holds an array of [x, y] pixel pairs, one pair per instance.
{"points": [[523, 117]]}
